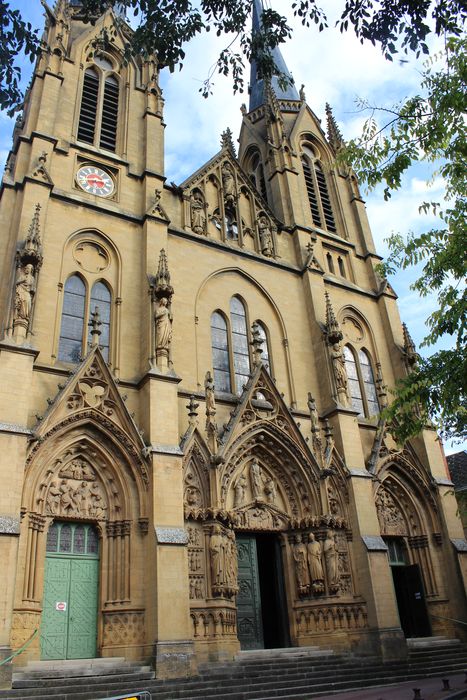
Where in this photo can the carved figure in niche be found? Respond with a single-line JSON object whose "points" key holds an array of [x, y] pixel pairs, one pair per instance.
{"points": [[333, 501], [265, 236], [53, 499], [163, 319], [340, 373], [270, 489], [231, 563], [331, 559], [198, 216], [314, 564], [98, 506], [255, 478], [209, 391], [25, 290], [217, 552], [313, 413], [240, 490], [82, 494], [301, 566], [68, 501], [228, 183]]}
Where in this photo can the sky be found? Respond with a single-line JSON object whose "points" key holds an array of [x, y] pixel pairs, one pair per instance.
{"points": [[334, 68]]}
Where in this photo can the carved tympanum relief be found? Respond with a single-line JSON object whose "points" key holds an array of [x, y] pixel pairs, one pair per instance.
{"points": [[391, 520], [75, 492], [91, 256]]}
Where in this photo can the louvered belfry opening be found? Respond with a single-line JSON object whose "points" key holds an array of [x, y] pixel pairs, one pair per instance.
{"points": [[109, 122], [89, 101], [310, 188], [325, 200]]}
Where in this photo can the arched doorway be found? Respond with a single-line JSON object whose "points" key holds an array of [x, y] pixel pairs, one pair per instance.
{"points": [[71, 584], [262, 621]]}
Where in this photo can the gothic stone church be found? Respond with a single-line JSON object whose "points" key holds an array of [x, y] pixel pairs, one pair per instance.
{"points": [[191, 377]]}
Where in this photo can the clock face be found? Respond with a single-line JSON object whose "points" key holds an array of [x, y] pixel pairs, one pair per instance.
{"points": [[95, 181]]}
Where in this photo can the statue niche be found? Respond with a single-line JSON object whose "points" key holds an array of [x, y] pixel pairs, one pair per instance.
{"points": [[223, 560], [75, 493]]}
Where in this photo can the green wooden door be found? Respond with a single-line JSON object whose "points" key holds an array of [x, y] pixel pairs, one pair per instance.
{"points": [[249, 624], [69, 615]]}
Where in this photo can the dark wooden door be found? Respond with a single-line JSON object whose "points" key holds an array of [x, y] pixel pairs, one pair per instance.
{"points": [[411, 602], [249, 623]]}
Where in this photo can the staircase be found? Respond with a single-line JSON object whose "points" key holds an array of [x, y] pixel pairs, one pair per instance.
{"points": [[292, 674]]}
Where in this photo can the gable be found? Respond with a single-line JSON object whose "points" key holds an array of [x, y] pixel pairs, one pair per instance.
{"points": [[222, 203]]}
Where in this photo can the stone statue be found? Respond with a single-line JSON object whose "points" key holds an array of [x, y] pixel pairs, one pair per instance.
{"points": [[340, 373], [228, 183], [163, 320], [53, 499], [265, 236], [25, 290], [231, 564], [301, 566], [270, 489], [255, 479], [240, 490], [198, 216], [217, 552], [313, 413], [331, 558], [314, 563]]}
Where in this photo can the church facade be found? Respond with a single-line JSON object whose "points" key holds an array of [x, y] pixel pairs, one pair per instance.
{"points": [[192, 456]]}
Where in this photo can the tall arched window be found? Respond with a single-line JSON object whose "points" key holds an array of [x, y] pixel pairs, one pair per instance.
{"points": [[77, 307], [101, 299], [241, 354], [265, 347], [220, 353], [255, 169], [362, 386], [98, 118], [317, 190], [71, 332]]}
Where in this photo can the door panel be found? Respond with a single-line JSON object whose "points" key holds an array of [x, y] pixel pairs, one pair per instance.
{"points": [[54, 627], [411, 602], [249, 625], [70, 633], [83, 609]]}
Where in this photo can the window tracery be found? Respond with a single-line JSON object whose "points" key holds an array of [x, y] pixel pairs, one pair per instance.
{"points": [[362, 386], [78, 304]]}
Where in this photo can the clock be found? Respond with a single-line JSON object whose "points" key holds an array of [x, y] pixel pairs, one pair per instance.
{"points": [[94, 180]]}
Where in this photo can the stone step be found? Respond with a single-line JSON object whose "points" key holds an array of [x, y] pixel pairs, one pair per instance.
{"points": [[431, 642], [191, 689], [288, 652]]}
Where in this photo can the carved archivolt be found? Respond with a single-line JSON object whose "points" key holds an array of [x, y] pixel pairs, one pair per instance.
{"points": [[391, 520]]}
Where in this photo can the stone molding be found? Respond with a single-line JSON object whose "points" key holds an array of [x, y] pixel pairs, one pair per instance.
{"points": [[459, 545], [15, 428]]}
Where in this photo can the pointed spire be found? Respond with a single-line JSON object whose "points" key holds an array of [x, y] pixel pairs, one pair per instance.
{"points": [[335, 137], [333, 331], [257, 344], [95, 323], [227, 142], [162, 286], [31, 251], [257, 83], [409, 347]]}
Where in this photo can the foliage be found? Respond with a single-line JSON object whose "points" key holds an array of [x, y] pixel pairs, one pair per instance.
{"points": [[163, 27], [429, 127]]}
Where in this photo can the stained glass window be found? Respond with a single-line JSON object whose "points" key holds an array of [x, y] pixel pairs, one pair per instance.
{"points": [[241, 354], [101, 298], [220, 353], [354, 383], [368, 383], [71, 332]]}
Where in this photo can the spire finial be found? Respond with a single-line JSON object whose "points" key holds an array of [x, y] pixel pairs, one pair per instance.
{"points": [[162, 286], [333, 331], [335, 137], [95, 323], [227, 141], [409, 347]]}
